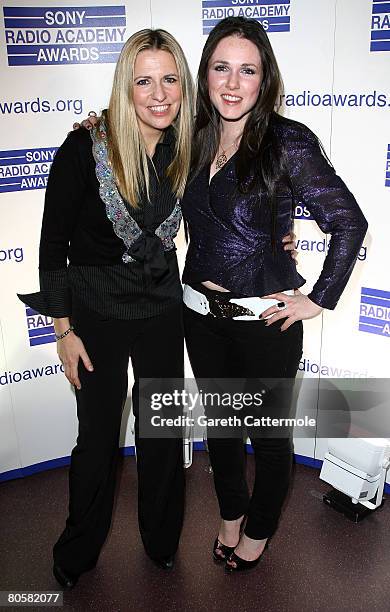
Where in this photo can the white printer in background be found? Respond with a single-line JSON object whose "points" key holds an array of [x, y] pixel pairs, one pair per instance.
{"points": [[357, 468]]}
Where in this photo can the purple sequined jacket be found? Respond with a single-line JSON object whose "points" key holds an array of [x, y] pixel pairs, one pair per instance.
{"points": [[230, 237]]}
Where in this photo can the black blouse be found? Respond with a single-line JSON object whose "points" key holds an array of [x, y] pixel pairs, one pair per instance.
{"points": [[118, 260], [230, 232]]}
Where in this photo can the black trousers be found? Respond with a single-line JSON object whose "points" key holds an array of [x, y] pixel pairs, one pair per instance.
{"points": [[223, 348], [155, 347]]}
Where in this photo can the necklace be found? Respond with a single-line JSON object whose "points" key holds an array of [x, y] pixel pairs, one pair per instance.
{"points": [[222, 159]]}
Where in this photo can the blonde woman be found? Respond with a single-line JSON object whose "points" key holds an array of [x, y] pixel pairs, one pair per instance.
{"points": [[112, 210]]}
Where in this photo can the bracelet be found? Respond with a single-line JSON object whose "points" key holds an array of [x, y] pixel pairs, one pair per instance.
{"points": [[65, 333]]}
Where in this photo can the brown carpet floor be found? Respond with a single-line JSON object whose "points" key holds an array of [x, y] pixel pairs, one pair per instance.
{"points": [[318, 561]]}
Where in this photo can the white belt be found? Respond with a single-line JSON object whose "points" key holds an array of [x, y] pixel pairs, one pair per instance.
{"points": [[199, 303]]}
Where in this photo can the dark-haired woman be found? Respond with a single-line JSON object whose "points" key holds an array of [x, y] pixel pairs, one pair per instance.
{"points": [[244, 312]]}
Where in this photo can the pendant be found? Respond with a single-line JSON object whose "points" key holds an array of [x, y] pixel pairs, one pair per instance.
{"points": [[220, 161]]}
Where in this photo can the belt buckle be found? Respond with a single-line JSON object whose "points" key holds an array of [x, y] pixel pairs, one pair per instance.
{"points": [[227, 310], [215, 308]]}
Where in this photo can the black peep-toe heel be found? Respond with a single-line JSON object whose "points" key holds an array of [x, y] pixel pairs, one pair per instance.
{"points": [[226, 550], [241, 564]]}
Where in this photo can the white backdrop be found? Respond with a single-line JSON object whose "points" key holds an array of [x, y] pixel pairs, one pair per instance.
{"points": [[57, 62]]}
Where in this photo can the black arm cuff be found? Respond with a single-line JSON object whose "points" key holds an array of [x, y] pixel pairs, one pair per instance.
{"points": [[54, 298], [55, 304]]}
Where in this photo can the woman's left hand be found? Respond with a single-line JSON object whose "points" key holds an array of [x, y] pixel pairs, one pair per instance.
{"points": [[297, 308]]}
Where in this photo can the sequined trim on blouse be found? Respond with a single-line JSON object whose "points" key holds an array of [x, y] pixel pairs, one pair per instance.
{"points": [[167, 230], [125, 227]]}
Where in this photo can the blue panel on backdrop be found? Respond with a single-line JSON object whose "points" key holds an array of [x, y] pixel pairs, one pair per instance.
{"points": [[24, 169], [301, 212], [274, 15], [40, 328], [375, 311], [380, 26], [52, 35]]}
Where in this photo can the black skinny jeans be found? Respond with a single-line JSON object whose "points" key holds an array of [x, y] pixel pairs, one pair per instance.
{"points": [[223, 348], [155, 347]]}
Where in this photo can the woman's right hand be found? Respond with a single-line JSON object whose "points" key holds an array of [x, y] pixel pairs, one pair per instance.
{"points": [[70, 350], [88, 123]]}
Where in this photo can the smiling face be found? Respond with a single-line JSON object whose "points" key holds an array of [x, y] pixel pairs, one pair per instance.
{"points": [[234, 77], [156, 91]]}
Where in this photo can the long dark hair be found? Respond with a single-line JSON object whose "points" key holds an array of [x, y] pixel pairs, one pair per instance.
{"points": [[259, 150]]}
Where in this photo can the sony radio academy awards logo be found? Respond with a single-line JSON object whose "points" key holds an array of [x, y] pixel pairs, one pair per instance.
{"points": [[40, 328], [24, 169], [274, 15], [375, 311], [44, 35], [380, 26], [387, 180]]}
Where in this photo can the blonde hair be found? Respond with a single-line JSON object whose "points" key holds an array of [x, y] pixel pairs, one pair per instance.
{"points": [[126, 147]]}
